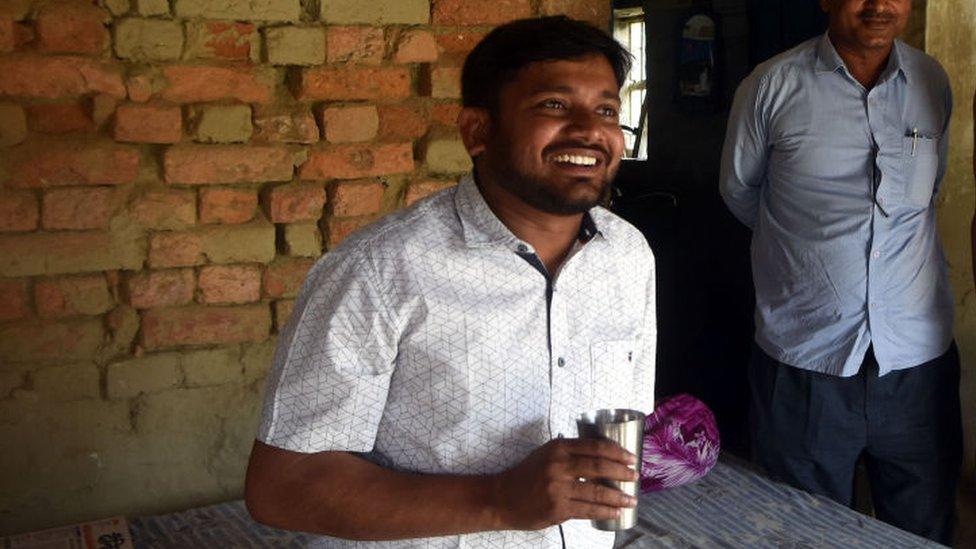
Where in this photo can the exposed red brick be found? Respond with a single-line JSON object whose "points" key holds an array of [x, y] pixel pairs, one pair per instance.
{"points": [[284, 279], [423, 189], [593, 11], [148, 123], [354, 198], [402, 122], [71, 27], [18, 211], [296, 126], [478, 12], [356, 161], [207, 164], [175, 249], [416, 46], [59, 118], [7, 34], [355, 44], [227, 205], [445, 114], [221, 40], [71, 296], [86, 208], [152, 289], [139, 88], [54, 77], [457, 45], [339, 83], [199, 84], [228, 284], [339, 228], [170, 209], [176, 327], [291, 203], [14, 299], [349, 124], [82, 163]]}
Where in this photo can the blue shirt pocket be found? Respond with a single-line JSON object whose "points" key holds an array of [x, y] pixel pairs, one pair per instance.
{"points": [[921, 165]]}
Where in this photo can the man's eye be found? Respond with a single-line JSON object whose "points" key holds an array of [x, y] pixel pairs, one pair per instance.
{"points": [[553, 104], [609, 112]]}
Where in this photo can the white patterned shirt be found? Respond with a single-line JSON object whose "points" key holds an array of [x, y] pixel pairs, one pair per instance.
{"points": [[430, 343]]}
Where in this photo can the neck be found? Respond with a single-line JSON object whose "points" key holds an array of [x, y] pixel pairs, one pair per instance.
{"points": [[550, 234], [864, 64]]}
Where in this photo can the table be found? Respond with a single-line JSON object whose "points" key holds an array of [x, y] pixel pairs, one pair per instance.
{"points": [[732, 507]]}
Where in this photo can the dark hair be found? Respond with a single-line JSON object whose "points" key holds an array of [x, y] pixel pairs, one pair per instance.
{"points": [[510, 47]]}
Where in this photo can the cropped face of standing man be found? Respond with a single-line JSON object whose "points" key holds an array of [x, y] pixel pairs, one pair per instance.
{"points": [[866, 25]]}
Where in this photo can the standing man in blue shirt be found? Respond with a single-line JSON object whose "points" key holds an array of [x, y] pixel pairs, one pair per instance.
{"points": [[833, 157]]}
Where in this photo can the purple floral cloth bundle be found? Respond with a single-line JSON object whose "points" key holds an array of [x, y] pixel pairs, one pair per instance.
{"points": [[681, 443]]}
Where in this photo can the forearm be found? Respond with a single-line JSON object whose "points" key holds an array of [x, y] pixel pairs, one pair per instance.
{"points": [[346, 496]]}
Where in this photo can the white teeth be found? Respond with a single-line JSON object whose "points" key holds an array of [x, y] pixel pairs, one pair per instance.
{"points": [[576, 159]]}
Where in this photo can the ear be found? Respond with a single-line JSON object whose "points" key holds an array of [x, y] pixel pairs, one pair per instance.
{"points": [[474, 124]]}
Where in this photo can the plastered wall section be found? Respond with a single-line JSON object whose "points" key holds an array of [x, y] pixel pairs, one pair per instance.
{"points": [[950, 37]]}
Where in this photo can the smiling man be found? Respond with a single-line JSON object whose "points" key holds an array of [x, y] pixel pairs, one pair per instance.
{"points": [[427, 384], [833, 157]]}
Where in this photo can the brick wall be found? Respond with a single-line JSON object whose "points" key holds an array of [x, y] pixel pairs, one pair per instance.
{"points": [[169, 170]]}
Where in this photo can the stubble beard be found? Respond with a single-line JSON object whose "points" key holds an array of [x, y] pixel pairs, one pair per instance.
{"points": [[542, 194]]}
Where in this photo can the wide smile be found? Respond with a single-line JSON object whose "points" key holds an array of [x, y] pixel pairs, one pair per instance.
{"points": [[579, 161]]}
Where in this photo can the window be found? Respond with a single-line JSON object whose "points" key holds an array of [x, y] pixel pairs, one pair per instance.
{"points": [[628, 29]]}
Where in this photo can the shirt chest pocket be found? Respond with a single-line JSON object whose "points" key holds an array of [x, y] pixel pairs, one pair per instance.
{"points": [[612, 374], [920, 157]]}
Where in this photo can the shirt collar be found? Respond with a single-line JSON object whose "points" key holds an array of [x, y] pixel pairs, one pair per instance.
{"points": [[480, 226], [828, 60]]}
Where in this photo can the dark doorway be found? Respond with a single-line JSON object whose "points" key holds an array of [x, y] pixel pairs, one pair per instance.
{"points": [[705, 293]]}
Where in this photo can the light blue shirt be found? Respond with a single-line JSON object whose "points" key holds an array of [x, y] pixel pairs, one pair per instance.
{"points": [[835, 272]]}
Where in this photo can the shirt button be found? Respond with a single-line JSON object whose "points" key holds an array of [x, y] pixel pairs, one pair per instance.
{"points": [[522, 248], [560, 362], [560, 435], [876, 255]]}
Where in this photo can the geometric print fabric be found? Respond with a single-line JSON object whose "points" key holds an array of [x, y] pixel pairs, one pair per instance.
{"points": [[423, 343]]}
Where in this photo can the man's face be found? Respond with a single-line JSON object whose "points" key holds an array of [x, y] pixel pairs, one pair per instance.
{"points": [[867, 24], [555, 140]]}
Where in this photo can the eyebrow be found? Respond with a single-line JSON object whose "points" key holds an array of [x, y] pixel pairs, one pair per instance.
{"points": [[569, 89]]}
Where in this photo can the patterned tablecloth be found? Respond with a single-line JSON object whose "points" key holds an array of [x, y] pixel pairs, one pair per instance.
{"points": [[732, 507]]}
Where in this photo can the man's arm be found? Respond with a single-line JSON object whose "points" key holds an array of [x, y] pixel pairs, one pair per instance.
{"points": [[745, 152], [343, 495]]}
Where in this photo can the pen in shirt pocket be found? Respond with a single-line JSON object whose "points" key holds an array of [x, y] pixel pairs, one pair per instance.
{"points": [[916, 135]]}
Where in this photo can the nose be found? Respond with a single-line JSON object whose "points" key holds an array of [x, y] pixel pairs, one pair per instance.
{"points": [[586, 126]]}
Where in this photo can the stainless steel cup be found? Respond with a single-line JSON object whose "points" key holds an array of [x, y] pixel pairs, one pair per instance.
{"points": [[626, 428]]}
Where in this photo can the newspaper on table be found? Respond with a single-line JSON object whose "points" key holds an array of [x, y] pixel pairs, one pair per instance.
{"points": [[110, 533]]}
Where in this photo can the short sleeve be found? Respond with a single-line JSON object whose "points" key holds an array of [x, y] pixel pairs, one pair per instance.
{"points": [[328, 386]]}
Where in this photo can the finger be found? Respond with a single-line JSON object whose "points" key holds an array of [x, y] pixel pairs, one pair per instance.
{"points": [[591, 492], [595, 467], [592, 511], [602, 448]]}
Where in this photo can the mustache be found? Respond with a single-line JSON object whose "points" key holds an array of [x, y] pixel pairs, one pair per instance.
{"points": [[877, 15], [577, 145]]}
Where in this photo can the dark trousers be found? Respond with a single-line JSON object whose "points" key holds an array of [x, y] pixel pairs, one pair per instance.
{"points": [[809, 430]]}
